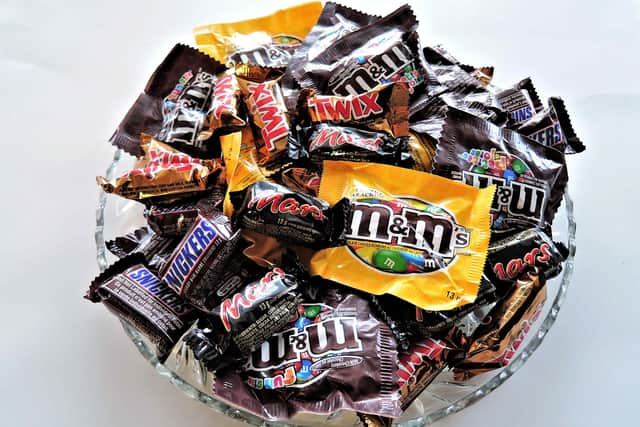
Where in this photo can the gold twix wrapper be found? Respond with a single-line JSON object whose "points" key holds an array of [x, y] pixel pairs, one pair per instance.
{"points": [[162, 172]]}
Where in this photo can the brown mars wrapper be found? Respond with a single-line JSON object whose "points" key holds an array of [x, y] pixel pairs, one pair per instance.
{"points": [[496, 341], [163, 173]]}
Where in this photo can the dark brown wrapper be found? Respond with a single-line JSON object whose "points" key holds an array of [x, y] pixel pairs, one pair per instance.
{"points": [[384, 51], [174, 220], [179, 88], [155, 248], [530, 177], [199, 261], [552, 127], [290, 216], [133, 293], [335, 22]]}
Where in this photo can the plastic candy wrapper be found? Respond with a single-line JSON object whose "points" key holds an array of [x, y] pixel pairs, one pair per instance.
{"points": [[426, 244], [384, 51], [246, 319], [198, 262], [267, 110], [174, 104], [267, 41], [335, 22], [352, 367], [495, 343], [552, 127], [290, 216], [530, 177], [135, 294], [164, 173]]}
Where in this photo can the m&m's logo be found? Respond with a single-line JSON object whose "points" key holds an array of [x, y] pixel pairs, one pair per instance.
{"points": [[374, 70], [405, 235], [304, 352]]}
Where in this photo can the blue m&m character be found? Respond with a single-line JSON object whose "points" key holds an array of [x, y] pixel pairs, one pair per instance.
{"points": [[301, 323], [305, 370], [509, 175]]}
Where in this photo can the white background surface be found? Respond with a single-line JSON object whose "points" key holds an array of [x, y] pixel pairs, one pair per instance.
{"points": [[70, 70]]}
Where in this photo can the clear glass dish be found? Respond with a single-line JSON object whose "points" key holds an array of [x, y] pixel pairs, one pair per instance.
{"points": [[116, 216]]}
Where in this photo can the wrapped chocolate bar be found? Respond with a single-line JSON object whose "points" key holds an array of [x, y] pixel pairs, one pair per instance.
{"points": [[385, 51], [224, 113], [268, 113], [291, 216], [174, 104], [176, 219], [530, 177], [155, 248], [410, 323], [197, 264], [521, 101], [136, 295], [414, 235], [532, 249], [163, 175], [266, 41], [246, 319], [552, 127], [495, 342]]}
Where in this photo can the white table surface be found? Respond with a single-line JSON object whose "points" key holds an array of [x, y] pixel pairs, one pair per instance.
{"points": [[71, 69]]}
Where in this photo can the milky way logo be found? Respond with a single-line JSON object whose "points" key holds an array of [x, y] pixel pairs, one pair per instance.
{"points": [[184, 108]]}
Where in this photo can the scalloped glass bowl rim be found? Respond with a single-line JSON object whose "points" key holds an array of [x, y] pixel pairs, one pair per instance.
{"points": [[458, 405]]}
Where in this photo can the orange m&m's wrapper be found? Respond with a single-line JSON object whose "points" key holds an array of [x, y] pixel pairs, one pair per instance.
{"points": [[417, 236]]}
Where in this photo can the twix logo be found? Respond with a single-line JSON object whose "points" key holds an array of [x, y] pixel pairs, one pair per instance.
{"points": [[270, 112], [347, 108], [277, 203]]}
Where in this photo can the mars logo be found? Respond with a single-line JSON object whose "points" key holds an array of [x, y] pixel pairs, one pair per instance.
{"points": [[517, 198], [432, 231], [374, 70]]}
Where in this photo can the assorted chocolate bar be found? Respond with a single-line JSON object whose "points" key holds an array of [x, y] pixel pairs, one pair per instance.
{"points": [[335, 214]]}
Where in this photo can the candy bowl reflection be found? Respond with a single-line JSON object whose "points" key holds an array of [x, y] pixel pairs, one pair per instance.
{"points": [[446, 395]]}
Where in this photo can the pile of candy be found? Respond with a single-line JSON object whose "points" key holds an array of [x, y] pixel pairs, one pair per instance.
{"points": [[335, 214]]}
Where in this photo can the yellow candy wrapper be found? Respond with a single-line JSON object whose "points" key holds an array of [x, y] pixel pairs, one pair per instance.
{"points": [[163, 172], [420, 237], [268, 41]]}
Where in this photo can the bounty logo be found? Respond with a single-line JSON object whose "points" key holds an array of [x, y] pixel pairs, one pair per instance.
{"points": [[201, 236], [147, 280], [405, 235]]}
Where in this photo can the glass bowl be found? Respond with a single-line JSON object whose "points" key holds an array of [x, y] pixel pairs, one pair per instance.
{"points": [[116, 216]]}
